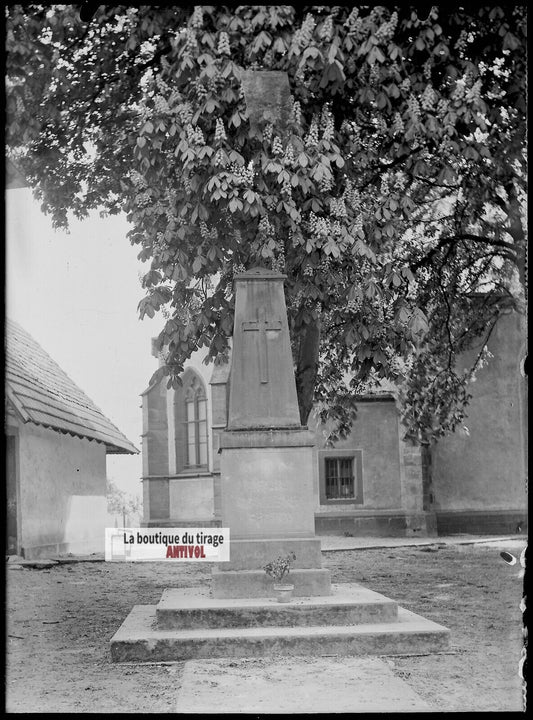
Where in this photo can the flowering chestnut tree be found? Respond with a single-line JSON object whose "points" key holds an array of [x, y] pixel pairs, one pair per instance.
{"points": [[390, 195]]}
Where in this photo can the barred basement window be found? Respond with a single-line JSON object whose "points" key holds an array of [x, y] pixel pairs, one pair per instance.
{"points": [[339, 478]]}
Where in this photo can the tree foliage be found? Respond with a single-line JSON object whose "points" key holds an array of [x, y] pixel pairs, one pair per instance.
{"points": [[392, 196], [119, 502]]}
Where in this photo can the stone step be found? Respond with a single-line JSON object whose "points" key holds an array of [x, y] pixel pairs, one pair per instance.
{"points": [[256, 583], [349, 604], [139, 639]]}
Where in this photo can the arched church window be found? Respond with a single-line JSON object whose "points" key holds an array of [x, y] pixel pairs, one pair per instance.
{"points": [[191, 424], [196, 422]]}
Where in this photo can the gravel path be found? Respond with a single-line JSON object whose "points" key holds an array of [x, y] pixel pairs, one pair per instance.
{"points": [[61, 618]]}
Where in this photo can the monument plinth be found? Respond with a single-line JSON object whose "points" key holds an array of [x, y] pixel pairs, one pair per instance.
{"points": [[266, 463]]}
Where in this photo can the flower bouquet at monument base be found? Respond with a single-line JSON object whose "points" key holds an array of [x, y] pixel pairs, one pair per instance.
{"points": [[278, 569]]}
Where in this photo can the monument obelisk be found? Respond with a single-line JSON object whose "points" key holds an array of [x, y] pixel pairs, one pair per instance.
{"points": [[266, 463]]}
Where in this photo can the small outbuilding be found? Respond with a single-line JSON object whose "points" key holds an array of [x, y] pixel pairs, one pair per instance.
{"points": [[57, 440]]}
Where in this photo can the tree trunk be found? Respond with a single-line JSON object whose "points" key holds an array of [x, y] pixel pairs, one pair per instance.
{"points": [[516, 231], [307, 368]]}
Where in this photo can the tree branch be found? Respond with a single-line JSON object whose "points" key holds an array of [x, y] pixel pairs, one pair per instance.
{"points": [[453, 239], [384, 167]]}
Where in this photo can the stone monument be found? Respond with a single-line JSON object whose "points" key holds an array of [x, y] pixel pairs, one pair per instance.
{"points": [[267, 503], [266, 463]]}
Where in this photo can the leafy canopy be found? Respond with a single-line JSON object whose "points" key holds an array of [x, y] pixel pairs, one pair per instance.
{"points": [[391, 197]]}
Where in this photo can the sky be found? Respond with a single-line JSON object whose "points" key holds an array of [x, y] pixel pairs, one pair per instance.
{"points": [[77, 295]]}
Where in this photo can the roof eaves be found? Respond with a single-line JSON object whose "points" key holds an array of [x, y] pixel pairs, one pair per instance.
{"points": [[111, 448], [17, 405]]}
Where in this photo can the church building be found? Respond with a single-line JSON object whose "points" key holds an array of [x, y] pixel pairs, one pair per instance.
{"points": [[373, 483]]}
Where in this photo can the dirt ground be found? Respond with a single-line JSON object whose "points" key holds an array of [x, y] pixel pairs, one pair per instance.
{"points": [[60, 621]]}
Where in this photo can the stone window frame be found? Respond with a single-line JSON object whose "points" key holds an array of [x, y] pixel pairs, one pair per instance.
{"points": [[196, 397], [357, 457], [193, 388]]}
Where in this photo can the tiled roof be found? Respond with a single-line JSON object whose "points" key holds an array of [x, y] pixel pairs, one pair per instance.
{"points": [[42, 393]]}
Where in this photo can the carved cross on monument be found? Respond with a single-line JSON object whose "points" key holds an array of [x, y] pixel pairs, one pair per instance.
{"points": [[262, 386], [262, 325]]}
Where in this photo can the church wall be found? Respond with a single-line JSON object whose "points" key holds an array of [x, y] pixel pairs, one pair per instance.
{"points": [[375, 434], [392, 502], [155, 431], [191, 499], [479, 473]]}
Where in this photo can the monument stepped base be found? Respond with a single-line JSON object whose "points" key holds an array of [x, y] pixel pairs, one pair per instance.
{"points": [[189, 624], [349, 604]]}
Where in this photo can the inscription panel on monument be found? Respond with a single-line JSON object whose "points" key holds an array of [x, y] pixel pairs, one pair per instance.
{"points": [[268, 492]]}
